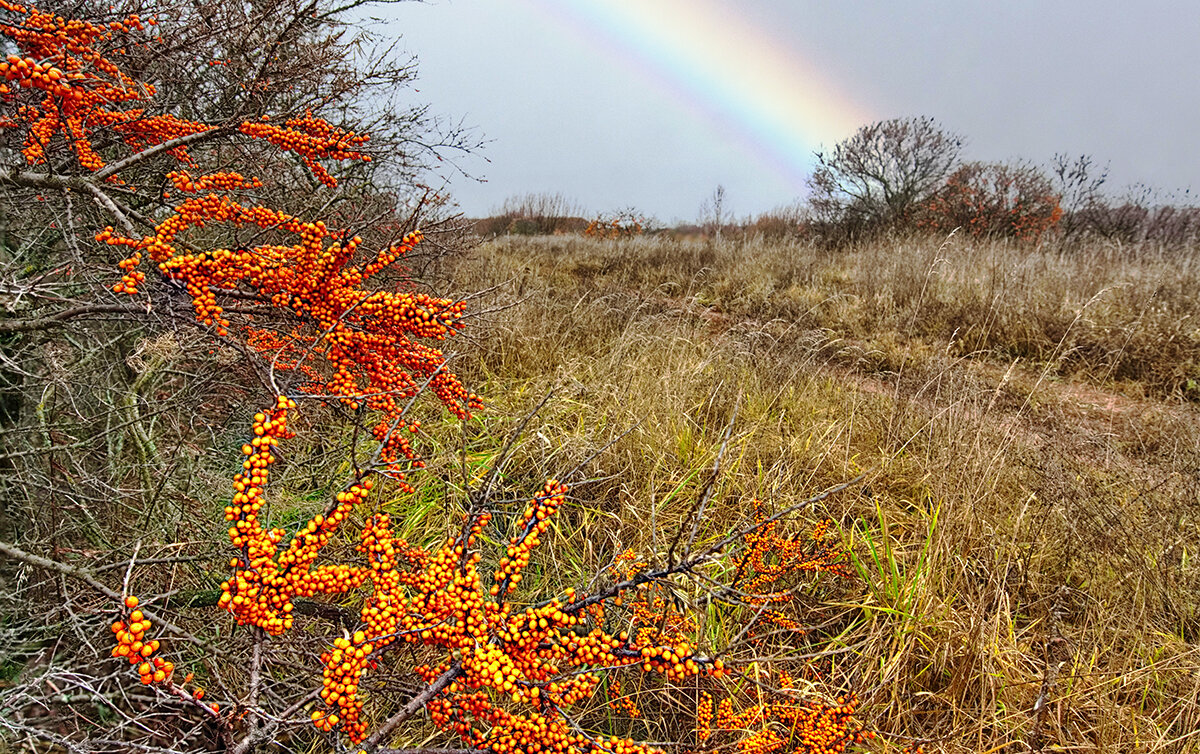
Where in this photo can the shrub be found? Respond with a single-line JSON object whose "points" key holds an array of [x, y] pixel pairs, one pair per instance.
{"points": [[993, 199], [537, 214], [620, 224], [791, 221]]}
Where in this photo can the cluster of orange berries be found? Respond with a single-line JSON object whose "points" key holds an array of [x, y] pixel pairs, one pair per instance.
{"points": [[83, 89], [618, 700], [510, 733], [655, 621], [544, 656], [140, 131], [366, 338], [802, 727], [265, 580], [311, 138], [534, 522], [79, 83], [351, 657], [133, 277], [771, 559], [29, 73], [344, 665], [134, 645], [655, 618], [227, 181]]}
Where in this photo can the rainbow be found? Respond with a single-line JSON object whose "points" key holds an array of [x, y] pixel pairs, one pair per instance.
{"points": [[723, 69]]}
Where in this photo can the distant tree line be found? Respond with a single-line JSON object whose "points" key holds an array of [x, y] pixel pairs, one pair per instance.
{"points": [[906, 175]]}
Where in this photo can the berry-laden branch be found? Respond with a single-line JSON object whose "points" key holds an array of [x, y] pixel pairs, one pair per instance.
{"points": [[367, 340], [72, 90], [507, 675], [350, 343]]}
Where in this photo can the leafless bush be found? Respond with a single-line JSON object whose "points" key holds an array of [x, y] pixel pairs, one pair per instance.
{"points": [[788, 221], [535, 214], [714, 213], [1140, 216]]}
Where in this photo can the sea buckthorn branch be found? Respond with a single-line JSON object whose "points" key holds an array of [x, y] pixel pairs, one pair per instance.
{"points": [[83, 90], [709, 554], [106, 202], [412, 707], [147, 153], [311, 139], [770, 561], [262, 589], [135, 645], [786, 724], [98, 83], [80, 89], [65, 316], [435, 601], [79, 84], [365, 338]]}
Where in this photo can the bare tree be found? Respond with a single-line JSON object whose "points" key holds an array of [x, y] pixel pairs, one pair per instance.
{"points": [[874, 179], [1079, 183], [712, 213]]}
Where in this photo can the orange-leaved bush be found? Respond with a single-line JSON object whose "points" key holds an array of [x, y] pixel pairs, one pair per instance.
{"points": [[994, 199], [622, 224]]}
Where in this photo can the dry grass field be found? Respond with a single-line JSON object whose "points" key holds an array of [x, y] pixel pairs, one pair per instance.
{"points": [[1025, 533], [1019, 425]]}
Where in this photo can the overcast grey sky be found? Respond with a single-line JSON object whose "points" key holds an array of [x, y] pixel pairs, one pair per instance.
{"points": [[575, 102]]}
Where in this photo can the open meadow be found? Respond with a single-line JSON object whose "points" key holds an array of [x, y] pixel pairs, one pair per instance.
{"points": [[1024, 535]]}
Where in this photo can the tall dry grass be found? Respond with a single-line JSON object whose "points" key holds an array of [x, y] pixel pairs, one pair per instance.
{"points": [[1026, 534]]}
